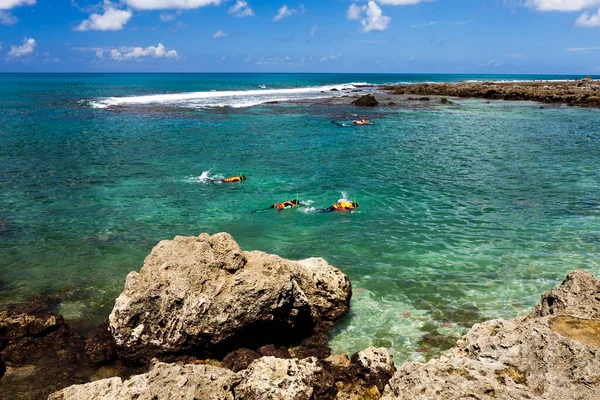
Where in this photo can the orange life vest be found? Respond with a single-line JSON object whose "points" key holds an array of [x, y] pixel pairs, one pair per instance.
{"points": [[344, 206], [233, 179], [282, 206]]}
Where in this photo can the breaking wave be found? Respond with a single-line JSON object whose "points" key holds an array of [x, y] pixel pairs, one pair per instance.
{"points": [[235, 99]]}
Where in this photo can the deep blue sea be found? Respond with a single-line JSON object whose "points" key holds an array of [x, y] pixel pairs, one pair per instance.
{"points": [[467, 212]]}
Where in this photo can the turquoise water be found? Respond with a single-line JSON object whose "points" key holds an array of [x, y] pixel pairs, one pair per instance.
{"points": [[466, 213]]}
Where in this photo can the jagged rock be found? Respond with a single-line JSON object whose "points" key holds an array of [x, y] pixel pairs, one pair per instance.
{"points": [[391, 103], [275, 378], [16, 326], [205, 294], [164, 381], [239, 359], [445, 101], [100, 345], [584, 94], [368, 100], [552, 353], [376, 365]]}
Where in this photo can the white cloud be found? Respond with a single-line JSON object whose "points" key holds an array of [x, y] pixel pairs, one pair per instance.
{"points": [[169, 4], [8, 4], [587, 20], [284, 12], [219, 34], [111, 20], [561, 5], [330, 57], [401, 2], [354, 12], [582, 49], [20, 51], [164, 17], [241, 9], [6, 18], [136, 53], [373, 20]]}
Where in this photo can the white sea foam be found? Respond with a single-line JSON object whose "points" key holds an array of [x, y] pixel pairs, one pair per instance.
{"points": [[235, 99], [205, 177]]}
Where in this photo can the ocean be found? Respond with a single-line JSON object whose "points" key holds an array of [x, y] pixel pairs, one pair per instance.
{"points": [[467, 212]]}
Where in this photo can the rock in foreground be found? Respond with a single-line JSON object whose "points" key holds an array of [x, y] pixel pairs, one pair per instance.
{"points": [[198, 294], [552, 353]]}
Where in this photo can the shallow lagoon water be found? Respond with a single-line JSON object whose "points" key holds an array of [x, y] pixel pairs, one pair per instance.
{"points": [[467, 212]]}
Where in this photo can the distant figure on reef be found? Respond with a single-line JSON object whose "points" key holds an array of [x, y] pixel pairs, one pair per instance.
{"points": [[280, 206], [341, 206]]}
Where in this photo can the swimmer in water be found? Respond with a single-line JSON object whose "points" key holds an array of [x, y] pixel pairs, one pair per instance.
{"points": [[280, 206], [341, 206]]}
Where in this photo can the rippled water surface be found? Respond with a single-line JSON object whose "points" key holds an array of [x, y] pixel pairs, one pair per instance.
{"points": [[467, 212]]}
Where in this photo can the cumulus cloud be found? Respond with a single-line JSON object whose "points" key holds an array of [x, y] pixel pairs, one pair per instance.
{"points": [[112, 19], [169, 4], [372, 16], [354, 12], [8, 4], [285, 12], [561, 5], [20, 51], [401, 2], [587, 20], [6, 18], [136, 53], [219, 34], [241, 9]]}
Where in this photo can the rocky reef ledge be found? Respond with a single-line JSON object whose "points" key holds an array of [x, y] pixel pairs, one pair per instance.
{"points": [[205, 320], [582, 93]]}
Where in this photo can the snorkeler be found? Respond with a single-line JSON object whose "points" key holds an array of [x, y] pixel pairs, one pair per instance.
{"points": [[341, 206], [231, 179], [280, 206], [362, 122]]}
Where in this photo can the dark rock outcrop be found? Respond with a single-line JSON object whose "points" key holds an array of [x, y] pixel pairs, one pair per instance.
{"points": [[584, 93], [40, 353], [100, 346], [368, 100], [240, 359], [204, 294]]}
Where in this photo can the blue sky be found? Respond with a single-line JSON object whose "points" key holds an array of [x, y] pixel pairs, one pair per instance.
{"points": [[445, 36]]}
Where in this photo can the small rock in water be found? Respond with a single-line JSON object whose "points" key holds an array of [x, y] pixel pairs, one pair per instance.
{"points": [[406, 314], [368, 100]]}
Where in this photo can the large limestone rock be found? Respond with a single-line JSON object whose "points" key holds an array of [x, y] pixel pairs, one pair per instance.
{"points": [[164, 381], [205, 293], [270, 378], [552, 353]]}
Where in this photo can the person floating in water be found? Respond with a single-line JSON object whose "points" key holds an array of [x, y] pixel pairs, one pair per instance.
{"points": [[231, 179], [343, 205], [362, 122], [280, 206]]}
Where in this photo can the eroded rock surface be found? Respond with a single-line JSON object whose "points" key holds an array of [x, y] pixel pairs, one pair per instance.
{"points": [[549, 354], [164, 381], [204, 293], [584, 93]]}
